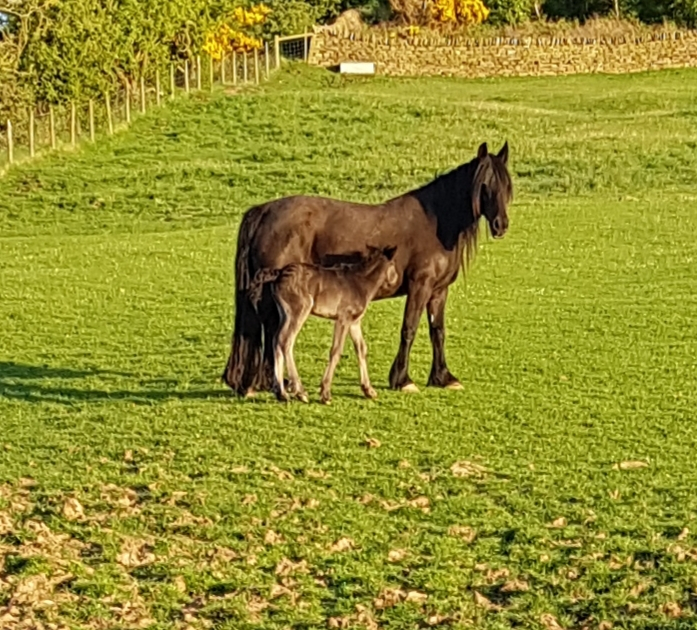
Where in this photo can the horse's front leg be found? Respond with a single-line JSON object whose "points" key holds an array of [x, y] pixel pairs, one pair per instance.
{"points": [[399, 374], [440, 375]]}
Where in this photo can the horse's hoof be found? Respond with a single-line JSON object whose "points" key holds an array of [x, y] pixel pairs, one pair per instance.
{"points": [[325, 399], [455, 386], [250, 393], [369, 392], [411, 388], [282, 397], [303, 397]]}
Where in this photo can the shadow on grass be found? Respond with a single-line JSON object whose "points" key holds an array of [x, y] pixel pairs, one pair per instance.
{"points": [[23, 382], [22, 371]]}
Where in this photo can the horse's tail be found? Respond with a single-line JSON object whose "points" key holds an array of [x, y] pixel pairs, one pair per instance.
{"points": [[244, 363]]}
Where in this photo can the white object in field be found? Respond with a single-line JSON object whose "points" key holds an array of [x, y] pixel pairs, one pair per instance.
{"points": [[357, 67]]}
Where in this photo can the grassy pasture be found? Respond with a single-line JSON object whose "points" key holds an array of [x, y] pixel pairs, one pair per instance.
{"points": [[135, 491]]}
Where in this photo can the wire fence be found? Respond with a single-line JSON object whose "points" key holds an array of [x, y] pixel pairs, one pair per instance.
{"points": [[49, 127], [295, 47]]}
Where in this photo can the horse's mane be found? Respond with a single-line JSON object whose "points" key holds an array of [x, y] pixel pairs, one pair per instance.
{"points": [[452, 199]]}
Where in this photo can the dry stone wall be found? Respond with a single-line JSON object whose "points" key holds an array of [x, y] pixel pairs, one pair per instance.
{"points": [[400, 56]]}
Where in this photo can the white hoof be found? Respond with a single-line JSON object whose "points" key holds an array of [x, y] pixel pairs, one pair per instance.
{"points": [[456, 387], [410, 389]]}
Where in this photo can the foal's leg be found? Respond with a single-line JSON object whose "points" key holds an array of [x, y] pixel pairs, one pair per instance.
{"points": [[416, 302], [266, 367], [440, 375], [277, 385], [340, 330], [295, 385], [362, 352]]}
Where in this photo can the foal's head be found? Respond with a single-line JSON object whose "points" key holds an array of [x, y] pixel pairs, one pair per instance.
{"points": [[492, 189], [380, 265]]}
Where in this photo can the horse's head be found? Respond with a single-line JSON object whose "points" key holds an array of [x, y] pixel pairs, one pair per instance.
{"points": [[492, 189]]}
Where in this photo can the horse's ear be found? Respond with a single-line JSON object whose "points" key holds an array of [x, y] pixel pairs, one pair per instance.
{"points": [[483, 151], [503, 154]]}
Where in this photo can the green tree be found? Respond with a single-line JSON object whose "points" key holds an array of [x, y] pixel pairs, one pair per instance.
{"points": [[510, 11]]}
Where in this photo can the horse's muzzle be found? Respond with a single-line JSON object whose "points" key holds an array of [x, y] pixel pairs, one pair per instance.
{"points": [[498, 227]]}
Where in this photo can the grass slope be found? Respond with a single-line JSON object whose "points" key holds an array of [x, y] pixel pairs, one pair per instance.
{"points": [[137, 491]]}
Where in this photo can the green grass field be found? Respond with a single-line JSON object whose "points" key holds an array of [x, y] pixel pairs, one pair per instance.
{"points": [[556, 491]]}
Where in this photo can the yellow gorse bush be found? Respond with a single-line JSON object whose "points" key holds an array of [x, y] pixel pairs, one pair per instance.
{"points": [[229, 37], [253, 16], [460, 11]]}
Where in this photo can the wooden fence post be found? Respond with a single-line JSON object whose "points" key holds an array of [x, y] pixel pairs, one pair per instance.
{"points": [[143, 104], [52, 126], [171, 80], [32, 147], [267, 61], [187, 89], [157, 87], [73, 124], [277, 51], [305, 47], [222, 69], [91, 106], [128, 103], [246, 67], [256, 66], [234, 67], [10, 143], [109, 120], [210, 72], [198, 72]]}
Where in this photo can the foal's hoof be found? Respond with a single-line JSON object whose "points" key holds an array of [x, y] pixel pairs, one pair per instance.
{"points": [[250, 393], [303, 397], [325, 399], [410, 388], [282, 397], [455, 386], [369, 392]]}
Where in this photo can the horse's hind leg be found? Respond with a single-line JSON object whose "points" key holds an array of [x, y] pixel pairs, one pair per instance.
{"points": [[340, 330], [362, 352]]}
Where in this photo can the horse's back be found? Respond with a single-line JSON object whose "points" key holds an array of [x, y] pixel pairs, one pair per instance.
{"points": [[290, 228], [318, 229]]}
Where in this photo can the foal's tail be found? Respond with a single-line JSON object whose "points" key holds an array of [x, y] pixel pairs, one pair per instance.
{"points": [[243, 366], [256, 289]]}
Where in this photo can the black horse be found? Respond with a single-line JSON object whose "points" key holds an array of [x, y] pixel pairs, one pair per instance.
{"points": [[434, 228]]}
